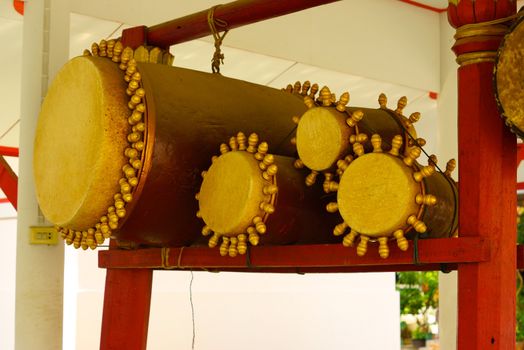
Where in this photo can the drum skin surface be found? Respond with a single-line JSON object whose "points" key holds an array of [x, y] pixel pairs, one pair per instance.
{"points": [[80, 142]]}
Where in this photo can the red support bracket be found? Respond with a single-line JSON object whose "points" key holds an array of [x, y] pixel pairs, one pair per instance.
{"points": [[8, 182]]}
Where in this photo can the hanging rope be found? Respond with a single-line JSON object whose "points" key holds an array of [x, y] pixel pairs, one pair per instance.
{"points": [[218, 56]]}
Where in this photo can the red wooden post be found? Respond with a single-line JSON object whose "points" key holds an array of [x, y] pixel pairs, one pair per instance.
{"points": [[487, 177], [126, 309]]}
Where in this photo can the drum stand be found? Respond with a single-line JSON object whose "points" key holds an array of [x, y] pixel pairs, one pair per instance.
{"points": [[484, 255]]}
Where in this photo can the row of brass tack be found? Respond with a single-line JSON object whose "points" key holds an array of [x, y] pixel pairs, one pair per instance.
{"points": [[343, 174]]}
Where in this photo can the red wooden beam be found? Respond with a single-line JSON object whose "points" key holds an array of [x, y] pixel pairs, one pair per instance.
{"points": [[9, 151], [304, 257], [8, 182], [424, 6], [194, 26]]}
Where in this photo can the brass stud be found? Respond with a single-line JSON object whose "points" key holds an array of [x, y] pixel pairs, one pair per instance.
{"points": [[289, 88], [203, 173], [298, 163], [402, 242], [426, 199], [293, 141], [344, 100], [309, 102], [296, 87], [270, 189], [224, 148], [253, 236], [267, 207], [358, 149], [305, 88], [356, 116], [426, 171], [233, 143], [270, 172], [259, 225], [383, 249], [383, 101], [95, 49], [418, 225], [362, 247], [103, 48], [396, 143], [325, 96], [110, 47], [224, 247], [267, 161], [213, 241], [233, 251], [117, 51], [349, 239], [342, 165], [376, 142], [432, 160], [121, 212], [252, 142], [261, 151], [241, 140], [450, 166], [401, 104], [332, 207], [313, 91], [199, 214], [242, 244], [414, 153], [311, 178], [197, 196], [414, 117], [340, 229], [331, 186], [358, 138], [128, 197], [295, 119], [86, 53]]}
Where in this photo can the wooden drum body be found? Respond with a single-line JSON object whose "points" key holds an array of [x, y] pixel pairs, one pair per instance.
{"points": [[120, 144]]}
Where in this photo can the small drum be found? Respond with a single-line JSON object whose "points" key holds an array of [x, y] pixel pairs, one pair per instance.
{"points": [[122, 138], [383, 194], [508, 78], [250, 195], [328, 129]]}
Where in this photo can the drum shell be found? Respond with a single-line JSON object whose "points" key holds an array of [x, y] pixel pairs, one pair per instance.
{"points": [[189, 113], [387, 124], [300, 215], [441, 219]]}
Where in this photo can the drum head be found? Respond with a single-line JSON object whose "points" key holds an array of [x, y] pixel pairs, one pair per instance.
{"points": [[80, 142], [509, 78]]}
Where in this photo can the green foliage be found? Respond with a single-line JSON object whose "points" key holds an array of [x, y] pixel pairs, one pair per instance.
{"points": [[418, 294]]}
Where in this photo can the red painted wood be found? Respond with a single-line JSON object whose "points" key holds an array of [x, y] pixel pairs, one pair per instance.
{"points": [[126, 309], [487, 154], [431, 251], [134, 37], [8, 182], [4, 200], [236, 14], [9, 151], [424, 6]]}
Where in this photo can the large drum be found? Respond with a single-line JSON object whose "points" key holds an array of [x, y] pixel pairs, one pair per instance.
{"points": [[121, 142], [508, 78]]}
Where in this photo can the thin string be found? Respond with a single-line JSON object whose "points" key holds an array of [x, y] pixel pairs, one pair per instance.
{"points": [[192, 310], [218, 56]]}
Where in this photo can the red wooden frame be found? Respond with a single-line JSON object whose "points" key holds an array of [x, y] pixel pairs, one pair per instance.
{"points": [[484, 255]]}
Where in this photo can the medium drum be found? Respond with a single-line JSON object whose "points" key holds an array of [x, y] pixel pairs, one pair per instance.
{"points": [[508, 77], [250, 195], [122, 138], [384, 195]]}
